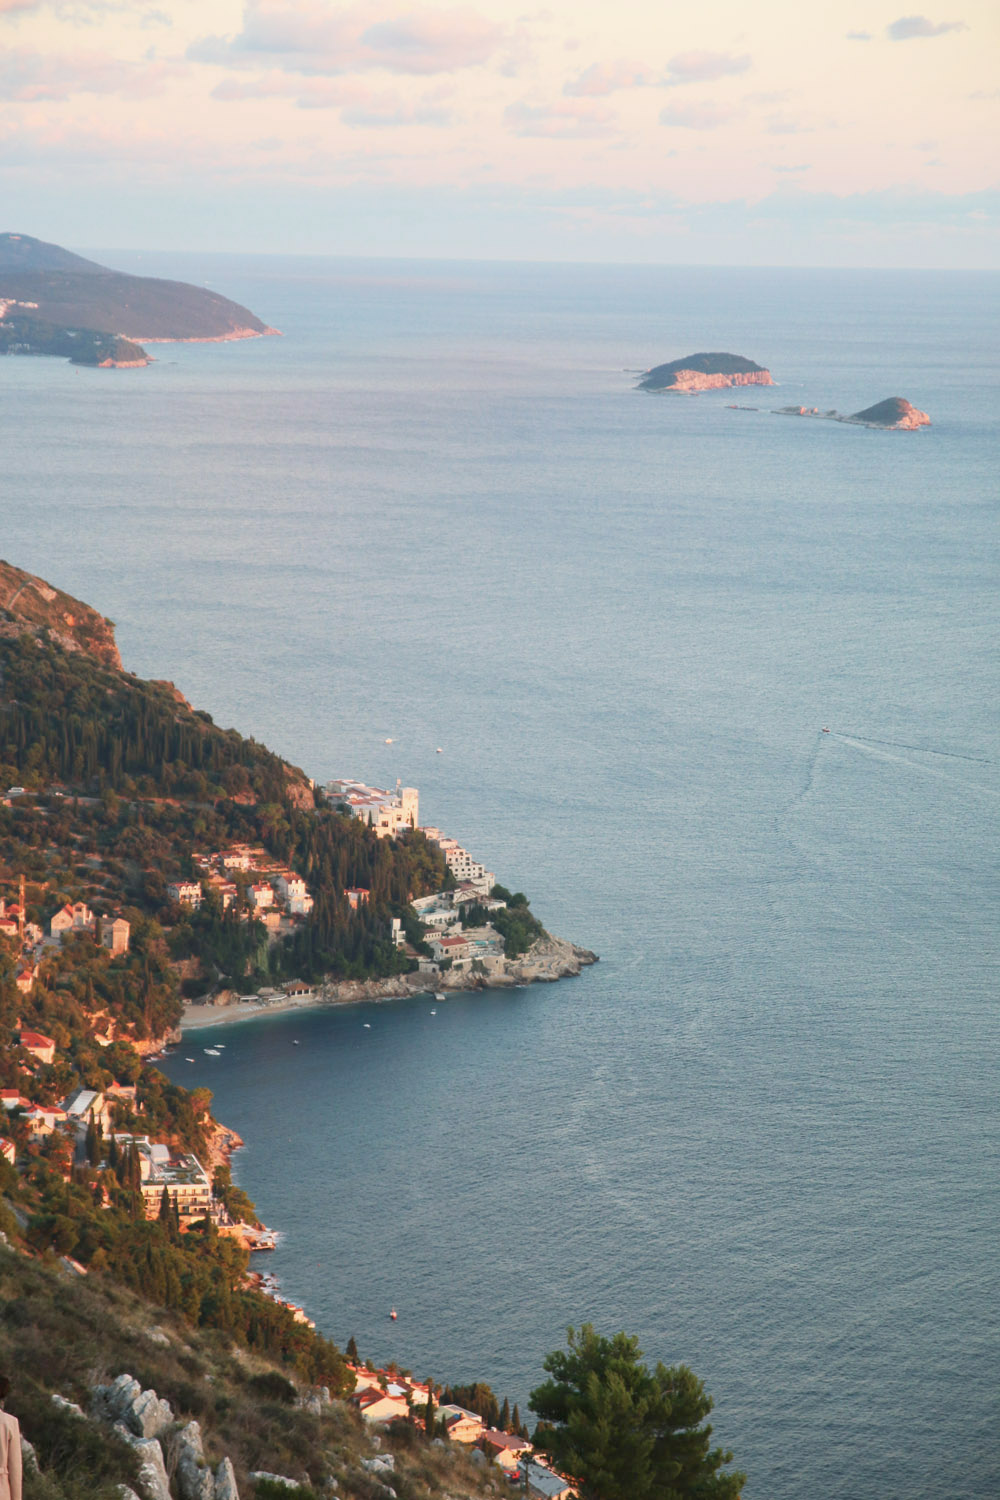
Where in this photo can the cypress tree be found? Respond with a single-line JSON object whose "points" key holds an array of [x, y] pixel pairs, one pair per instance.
{"points": [[505, 1416], [352, 1351]]}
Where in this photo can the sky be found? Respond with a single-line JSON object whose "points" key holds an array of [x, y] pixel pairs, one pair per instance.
{"points": [[719, 132]]}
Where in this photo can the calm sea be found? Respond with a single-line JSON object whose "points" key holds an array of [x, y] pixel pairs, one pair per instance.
{"points": [[763, 1133]]}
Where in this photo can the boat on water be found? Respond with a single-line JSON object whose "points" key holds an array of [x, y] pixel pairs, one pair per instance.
{"points": [[189, 1059], [433, 1012], [211, 1051], [368, 1026], [393, 1314], [438, 996]]}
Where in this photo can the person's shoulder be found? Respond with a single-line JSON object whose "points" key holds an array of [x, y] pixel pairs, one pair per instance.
{"points": [[8, 1422]]}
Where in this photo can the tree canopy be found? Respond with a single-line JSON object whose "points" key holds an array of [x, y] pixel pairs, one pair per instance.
{"points": [[624, 1432]]}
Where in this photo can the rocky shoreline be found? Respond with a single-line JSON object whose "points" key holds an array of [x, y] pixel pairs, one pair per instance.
{"points": [[548, 959]]}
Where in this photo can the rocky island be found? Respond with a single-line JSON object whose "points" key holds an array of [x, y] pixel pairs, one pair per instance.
{"points": [[55, 302], [894, 414], [705, 372]]}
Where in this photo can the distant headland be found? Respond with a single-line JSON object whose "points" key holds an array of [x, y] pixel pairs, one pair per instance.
{"points": [[55, 302], [705, 372]]}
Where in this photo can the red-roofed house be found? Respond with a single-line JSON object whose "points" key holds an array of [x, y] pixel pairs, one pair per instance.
{"points": [[43, 1120], [24, 977], [8, 1150], [376, 1405], [14, 1099], [504, 1448], [42, 1047]]}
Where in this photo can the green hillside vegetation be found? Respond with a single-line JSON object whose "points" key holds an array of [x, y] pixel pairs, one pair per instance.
{"points": [[131, 783], [23, 334]]}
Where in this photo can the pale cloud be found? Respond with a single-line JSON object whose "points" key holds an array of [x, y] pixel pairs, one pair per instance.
{"points": [[859, 36], [605, 77], [7, 7], [560, 121], [308, 37], [31, 77], [909, 27], [784, 125], [695, 116], [799, 167], [704, 67], [391, 115]]}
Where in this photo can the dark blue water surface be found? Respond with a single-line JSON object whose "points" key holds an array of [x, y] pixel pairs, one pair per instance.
{"points": [[762, 1134]]}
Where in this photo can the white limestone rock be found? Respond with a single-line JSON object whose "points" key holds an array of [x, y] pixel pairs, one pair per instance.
{"points": [[225, 1482], [291, 1484], [29, 1458], [124, 1400], [68, 1406], [152, 1470], [194, 1480]]}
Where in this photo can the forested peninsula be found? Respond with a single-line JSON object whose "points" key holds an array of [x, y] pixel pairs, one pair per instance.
{"points": [[55, 302]]}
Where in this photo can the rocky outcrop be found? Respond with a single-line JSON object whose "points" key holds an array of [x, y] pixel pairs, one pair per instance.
{"points": [[194, 1480], [152, 1471], [550, 958], [30, 604], [140, 1412], [705, 372], [895, 414]]}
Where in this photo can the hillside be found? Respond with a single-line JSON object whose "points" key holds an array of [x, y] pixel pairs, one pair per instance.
{"points": [[702, 372], [27, 602], [47, 293]]}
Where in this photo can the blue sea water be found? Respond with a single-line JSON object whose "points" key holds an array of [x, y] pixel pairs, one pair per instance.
{"points": [[762, 1133]]}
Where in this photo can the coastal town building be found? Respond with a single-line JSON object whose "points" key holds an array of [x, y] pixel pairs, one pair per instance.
{"points": [[73, 917], [387, 813], [185, 893], [181, 1173], [357, 896], [24, 976], [43, 1120], [13, 1099], [84, 1105], [40, 1046], [461, 863], [260, 896], [543, 1483], [462, 1426], [8, 1150], [115, 934], [505, 1449]]}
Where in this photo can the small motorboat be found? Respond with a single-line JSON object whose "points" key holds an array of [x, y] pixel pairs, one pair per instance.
{"points": [[439, 751], [825, 730], [368, 1025], [388, 742], [438, 996], [210, 1051], [393, 1314], [295, 1041], [433, 1012], [189, 1059]]}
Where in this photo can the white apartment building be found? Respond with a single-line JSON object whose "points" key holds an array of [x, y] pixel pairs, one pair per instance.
{"points": [[387, 813], [460, 862], [185, 892]]}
